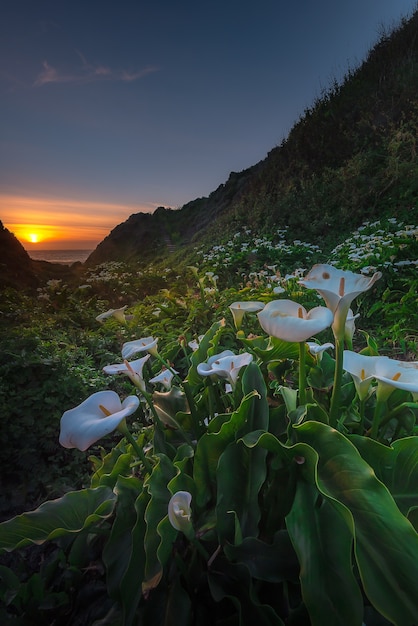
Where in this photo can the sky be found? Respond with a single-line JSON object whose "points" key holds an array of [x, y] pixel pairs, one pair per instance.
{"points": [[114, 107]]}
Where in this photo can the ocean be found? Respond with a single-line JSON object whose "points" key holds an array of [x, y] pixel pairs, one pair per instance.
{"points": [[66, 257]]}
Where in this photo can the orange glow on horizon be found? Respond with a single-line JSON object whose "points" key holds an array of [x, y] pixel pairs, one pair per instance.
{"points": [[61, 223]]}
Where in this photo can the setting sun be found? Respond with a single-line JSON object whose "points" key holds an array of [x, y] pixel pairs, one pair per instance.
{"points": [[33, 238]]}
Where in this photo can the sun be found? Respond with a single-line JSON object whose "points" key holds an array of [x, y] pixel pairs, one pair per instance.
{"points": [[33, 238]]}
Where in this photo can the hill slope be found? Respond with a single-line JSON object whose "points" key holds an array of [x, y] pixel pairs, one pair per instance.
{"points": [[352, 156]]}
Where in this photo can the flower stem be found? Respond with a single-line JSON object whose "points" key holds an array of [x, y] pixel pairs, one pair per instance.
{"points": [[202, 551], [139, 451], [302, 372], [338, 376], [152, 408], [377, 418]]}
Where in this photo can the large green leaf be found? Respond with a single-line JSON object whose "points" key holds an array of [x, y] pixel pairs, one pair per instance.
{"points": [[257, 416], [158, 538], [117, 551], [109, 468], [240, 475], [183, 480], [396, 466], [234, 583], [273, 562], [323, 543], [75, 511], [211, 445], [270, 348], [386, 544], [131, 584], [170, 605]]}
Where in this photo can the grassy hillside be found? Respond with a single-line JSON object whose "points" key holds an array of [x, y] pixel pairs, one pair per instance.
{"points": [[352, 156]]}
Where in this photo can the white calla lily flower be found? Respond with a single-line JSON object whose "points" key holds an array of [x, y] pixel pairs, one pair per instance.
{"points": [[338, 288], [350, 327], [239, 309], [118, 314], [290, 321], [96, 417], [316, 349], [180, 512], [362, 369], [165, 377], [145, 344], [225, 365], [194, 343], [133, 369], [391, 374]]}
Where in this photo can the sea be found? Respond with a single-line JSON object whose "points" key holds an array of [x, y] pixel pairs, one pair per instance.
{"points": [[66, 257]]}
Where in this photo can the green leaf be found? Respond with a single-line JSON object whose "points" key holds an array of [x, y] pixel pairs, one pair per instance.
{"points": [[182, 481], [239, 465], [258, 411], [75, 511], [114, 463], [117, 551], [211, 445], [271, 348], [208, 342], [321, 376], [396, 466], [323, 543], [131, 584], [158, 537], [386, 544], [290, 397], [168, 404], [234, 583], [273, 562]]}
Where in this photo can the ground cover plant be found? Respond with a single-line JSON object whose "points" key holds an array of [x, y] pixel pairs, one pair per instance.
{"points": [[253, 456]]}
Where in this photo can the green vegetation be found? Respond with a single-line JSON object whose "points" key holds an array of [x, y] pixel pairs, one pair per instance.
{"points": [[106, 547]]}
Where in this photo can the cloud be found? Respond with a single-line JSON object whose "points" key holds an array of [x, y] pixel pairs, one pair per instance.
{"points": [[88, 73]]}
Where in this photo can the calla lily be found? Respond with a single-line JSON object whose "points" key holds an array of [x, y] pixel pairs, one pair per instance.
{"points": [[194, 343], [316, 349], [164, 377], [133, 369], [239, 309], [118, 314], [289, 321], [225, 365], [338, 288], [350, 328], [146, 344], [391, 374], [180, 513], [362, 369], [97, 416]]}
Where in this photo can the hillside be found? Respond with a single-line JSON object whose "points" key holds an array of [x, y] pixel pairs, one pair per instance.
{"points": [[352, 156], [16, 265], [19, 271]]}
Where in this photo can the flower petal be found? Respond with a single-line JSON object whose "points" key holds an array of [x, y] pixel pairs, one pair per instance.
{"points": [[97, 416]]}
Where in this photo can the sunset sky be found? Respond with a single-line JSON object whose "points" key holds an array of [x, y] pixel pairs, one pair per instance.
{"points": [[111, 107]]}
